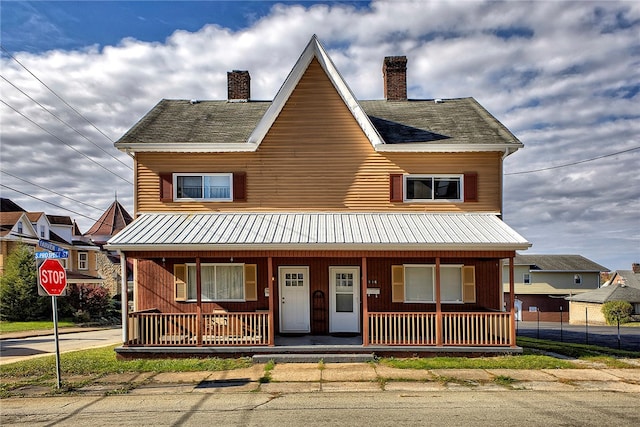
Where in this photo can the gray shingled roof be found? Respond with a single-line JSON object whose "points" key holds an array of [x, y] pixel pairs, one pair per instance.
{"points": [[613, 292], [628, 277], [571, 263], [180, 121], [453, 121]]}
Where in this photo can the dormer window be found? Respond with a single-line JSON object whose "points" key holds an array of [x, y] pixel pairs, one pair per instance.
{"points": [[19, 227]]}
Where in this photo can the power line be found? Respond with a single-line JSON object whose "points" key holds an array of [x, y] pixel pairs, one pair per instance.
{"points": [[53, 92], [49, 190], [68, 145], [573, 163], [49, 203], [65, 123]]}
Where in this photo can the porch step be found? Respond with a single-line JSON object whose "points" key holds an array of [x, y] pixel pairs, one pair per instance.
{"points": [[313, 358]]}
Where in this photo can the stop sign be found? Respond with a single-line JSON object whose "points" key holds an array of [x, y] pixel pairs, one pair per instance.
{"points": [[53, 277]]}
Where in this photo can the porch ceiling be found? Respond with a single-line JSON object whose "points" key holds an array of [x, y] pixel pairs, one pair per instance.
{"points": [[318, 231]]}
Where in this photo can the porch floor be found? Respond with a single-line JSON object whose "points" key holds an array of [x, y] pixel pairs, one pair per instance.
{"points": [[320, 346]]}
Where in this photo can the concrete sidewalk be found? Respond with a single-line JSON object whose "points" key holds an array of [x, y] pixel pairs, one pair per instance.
{"points": [[353, 377]]}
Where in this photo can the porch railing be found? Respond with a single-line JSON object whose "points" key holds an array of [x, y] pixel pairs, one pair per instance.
{"points": [[189, 329], [456, 329], [402, 328], [476, 329]]}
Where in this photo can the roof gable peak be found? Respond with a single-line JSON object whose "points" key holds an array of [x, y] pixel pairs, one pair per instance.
{"points": [[314, 49]]}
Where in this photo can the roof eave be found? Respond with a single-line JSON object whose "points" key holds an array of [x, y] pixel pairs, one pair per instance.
{"points": [[319, 247], [507, 149], [187, 147]]}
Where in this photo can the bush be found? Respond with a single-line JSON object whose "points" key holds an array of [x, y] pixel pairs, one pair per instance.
{"points": [[19, 299], [88, 302], [614, 310]]}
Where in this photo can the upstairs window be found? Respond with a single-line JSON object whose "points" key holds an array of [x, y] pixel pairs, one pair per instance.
{"points": [[213, 187], [19, 227], [83, 261], [428, 188], [526, 278], [577, 279]]}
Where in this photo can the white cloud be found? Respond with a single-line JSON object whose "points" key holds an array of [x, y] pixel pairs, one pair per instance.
{"points": [[564, 76]]}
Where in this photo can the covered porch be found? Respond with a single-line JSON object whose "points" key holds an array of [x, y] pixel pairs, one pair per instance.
{"points": [[386, 314]]}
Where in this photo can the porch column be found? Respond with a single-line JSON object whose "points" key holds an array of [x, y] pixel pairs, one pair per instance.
{"points": [[512, 303], [198, 302], [272, 332], [124, 297], [438, 306], [365, 304]]}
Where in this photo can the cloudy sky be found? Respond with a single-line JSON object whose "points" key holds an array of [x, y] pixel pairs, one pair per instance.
{"points": [[564, 77]]}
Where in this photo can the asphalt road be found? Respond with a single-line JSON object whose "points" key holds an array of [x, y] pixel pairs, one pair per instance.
{"points": [[450, 408], [13, 350], [606, 336]]}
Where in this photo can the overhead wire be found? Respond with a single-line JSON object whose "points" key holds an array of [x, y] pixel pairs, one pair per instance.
{"points": [[66, 124], [572, 163], [65, 143], [49, 190], [47, 202], [53, 92]]}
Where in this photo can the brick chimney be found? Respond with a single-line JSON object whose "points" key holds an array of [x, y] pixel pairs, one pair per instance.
{"points": [[394, 73], [636, 268], [238, 86]]}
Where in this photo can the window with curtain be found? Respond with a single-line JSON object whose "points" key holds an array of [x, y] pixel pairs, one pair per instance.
{"points": [[213, 187], [420, 283], [220, 282]]}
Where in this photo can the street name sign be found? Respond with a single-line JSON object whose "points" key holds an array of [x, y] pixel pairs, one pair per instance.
{"points": [[44, 244], [54, 255]]}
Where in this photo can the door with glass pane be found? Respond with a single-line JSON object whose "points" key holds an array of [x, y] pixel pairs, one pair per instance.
{"points": [[294, 299], [344, 302]]}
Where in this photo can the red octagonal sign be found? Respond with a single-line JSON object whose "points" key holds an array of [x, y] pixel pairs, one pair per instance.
{"points": [[53, 277]]}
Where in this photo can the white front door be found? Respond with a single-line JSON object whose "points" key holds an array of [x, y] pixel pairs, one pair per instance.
{"points": [[344, 301], [294, 299]]}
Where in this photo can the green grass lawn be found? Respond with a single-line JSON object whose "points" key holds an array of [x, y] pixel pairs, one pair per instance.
{"points": [[86, 366], [7, 327]]}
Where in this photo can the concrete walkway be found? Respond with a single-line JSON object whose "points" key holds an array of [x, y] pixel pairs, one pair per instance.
{"points": [[352, 377]]}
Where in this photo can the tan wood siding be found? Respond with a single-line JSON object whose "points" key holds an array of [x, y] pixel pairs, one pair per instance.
{"points": [[315, 157]]}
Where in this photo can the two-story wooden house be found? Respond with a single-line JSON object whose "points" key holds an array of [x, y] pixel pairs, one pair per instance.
{"points": [[317, 213]]}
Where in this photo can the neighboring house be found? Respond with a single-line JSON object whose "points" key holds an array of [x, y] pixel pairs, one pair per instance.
{"points": [[317, 213], [113, 220], [30, 228], [15, 229], [542, 282], [624, 285]]}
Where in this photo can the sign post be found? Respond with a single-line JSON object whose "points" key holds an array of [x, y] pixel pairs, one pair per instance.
{"points": [[53, 279]]}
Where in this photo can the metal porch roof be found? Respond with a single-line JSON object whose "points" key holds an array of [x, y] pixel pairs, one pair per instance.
{"points": [[318, 231]]}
